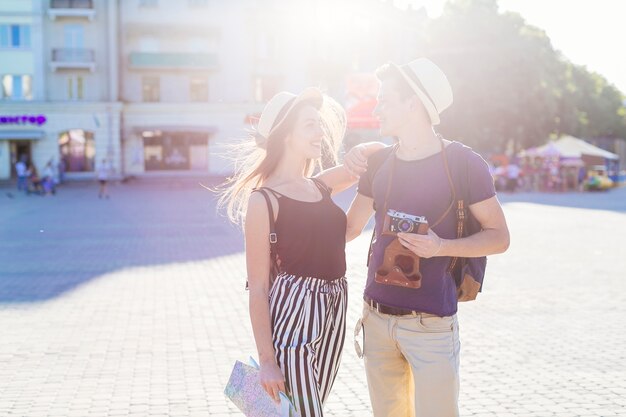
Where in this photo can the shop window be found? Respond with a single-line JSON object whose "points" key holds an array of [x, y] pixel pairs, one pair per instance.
{"points": [[77, 148], [151, 90], [175, 150]]}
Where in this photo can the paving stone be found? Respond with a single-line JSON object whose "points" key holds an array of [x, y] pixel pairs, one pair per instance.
{"points": [[135, 306]]}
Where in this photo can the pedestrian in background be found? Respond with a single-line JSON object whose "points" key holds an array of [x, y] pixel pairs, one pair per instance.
{"points": [[48, 179], [105, 169], [22, 174], [34, 180], [61, 169]]}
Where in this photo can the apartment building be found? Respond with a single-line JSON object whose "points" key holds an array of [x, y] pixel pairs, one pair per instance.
{"points": [[159, 87], [58, 63]]}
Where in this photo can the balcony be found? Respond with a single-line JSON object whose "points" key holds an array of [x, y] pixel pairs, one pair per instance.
{"points": [[172, 60], [71, 8], [66, 58]]}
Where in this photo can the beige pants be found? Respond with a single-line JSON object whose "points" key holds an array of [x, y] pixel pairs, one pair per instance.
{"points": [[412, 364]]}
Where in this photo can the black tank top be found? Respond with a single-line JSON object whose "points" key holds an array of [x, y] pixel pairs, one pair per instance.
{"points": [[311, 236]]}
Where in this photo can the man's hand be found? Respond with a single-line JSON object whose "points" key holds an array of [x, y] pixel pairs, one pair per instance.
{"points": [[355, 161], [424, 246]]}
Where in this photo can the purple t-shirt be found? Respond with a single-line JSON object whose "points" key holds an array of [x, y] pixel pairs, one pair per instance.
{"points": [[421, 188]]}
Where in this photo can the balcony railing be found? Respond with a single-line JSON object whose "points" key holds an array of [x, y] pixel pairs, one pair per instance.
{"points": [[172, 60], [71, 4], [73, 58], [71, 8]]}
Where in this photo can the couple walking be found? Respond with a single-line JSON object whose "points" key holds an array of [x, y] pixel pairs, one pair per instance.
{"points": [[295, 244]]}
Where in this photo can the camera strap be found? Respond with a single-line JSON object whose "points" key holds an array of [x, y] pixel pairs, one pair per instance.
{"points": [[454, 200]]}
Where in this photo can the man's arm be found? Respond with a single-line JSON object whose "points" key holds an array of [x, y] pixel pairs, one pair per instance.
{"points": [[493, 239], [359, 213]]}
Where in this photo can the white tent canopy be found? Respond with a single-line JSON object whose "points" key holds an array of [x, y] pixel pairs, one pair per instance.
{"points": [[571, 147]]}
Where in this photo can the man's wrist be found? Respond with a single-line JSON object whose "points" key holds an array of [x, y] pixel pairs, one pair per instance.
{"points": [[444, 247]]}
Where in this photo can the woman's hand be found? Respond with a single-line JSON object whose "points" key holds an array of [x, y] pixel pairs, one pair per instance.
{"points": [[272, 379], [355, 161]]}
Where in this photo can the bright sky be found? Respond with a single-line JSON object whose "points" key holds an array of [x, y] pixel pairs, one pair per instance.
{"points": [[587, 32]]}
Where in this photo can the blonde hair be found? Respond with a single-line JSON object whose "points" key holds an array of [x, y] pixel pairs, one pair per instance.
{"points": [[253, 164]]}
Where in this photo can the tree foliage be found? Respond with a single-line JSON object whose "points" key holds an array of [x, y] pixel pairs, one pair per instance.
{"points": [[511, 86]]}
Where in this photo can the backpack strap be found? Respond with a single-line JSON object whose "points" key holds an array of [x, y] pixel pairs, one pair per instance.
{"points": [[273, 237], [460, 227], [461, 214]]}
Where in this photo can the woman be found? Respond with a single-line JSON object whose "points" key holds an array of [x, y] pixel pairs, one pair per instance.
{"points": [[298, 320]]}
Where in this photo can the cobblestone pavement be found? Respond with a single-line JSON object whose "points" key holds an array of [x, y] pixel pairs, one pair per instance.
{"points": [[134, 306]]}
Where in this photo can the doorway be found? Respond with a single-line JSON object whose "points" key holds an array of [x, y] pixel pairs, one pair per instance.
{"points": [[16, 150]]}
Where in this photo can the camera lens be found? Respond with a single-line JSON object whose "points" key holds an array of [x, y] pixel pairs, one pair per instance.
{"points": [[405, 225]]}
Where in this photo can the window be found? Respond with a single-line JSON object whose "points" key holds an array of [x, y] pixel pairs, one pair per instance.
{"points": [[197, 45], [14, 36], [75, 87], [17, 87], [148, 44], [265, 46], [148, 3], [150, 89], [74, 36], [265, 87], [175, 150], [77, 148], [199, 89]]}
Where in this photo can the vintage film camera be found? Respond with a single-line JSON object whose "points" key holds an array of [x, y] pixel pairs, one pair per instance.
{"points": [[400, 266], [406, 223]]}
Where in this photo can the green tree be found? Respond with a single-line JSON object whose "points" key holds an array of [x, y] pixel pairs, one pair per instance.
{"points": [[511, 85]]}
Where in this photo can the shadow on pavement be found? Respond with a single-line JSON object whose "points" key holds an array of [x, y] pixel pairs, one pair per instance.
{"points": [[50, 245]]}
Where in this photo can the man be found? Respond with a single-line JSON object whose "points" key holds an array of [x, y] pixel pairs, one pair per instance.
{"points": [[411, 345], [105, 169]]}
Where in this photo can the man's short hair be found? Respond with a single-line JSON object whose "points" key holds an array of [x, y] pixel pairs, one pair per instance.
{"points": [[389, 72]]}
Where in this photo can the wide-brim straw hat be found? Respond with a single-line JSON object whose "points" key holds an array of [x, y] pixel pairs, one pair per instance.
{"points": [[278, 109], [430, 84]]}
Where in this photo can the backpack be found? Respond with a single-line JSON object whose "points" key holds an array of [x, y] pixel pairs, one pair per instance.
{"points": [[468, 273]]}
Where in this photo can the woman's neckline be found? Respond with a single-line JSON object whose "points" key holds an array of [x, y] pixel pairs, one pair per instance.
{"points": [[298, 200]]}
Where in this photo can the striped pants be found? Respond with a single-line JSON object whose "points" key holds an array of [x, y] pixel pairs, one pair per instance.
{"points": [[308, 329]]}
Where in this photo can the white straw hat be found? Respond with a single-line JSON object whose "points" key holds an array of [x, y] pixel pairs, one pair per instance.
{"points": [[430, 84], [278, 108]]}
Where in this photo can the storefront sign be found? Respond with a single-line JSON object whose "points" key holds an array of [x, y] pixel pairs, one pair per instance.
{"points": [[23, 120], [361, 101]]}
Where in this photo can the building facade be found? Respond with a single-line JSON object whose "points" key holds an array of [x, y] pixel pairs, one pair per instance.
{"points": [[159, 87], [59, 85]]}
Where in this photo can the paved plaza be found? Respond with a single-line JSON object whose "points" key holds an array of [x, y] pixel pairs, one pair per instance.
{"points": [[135, 306]]}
